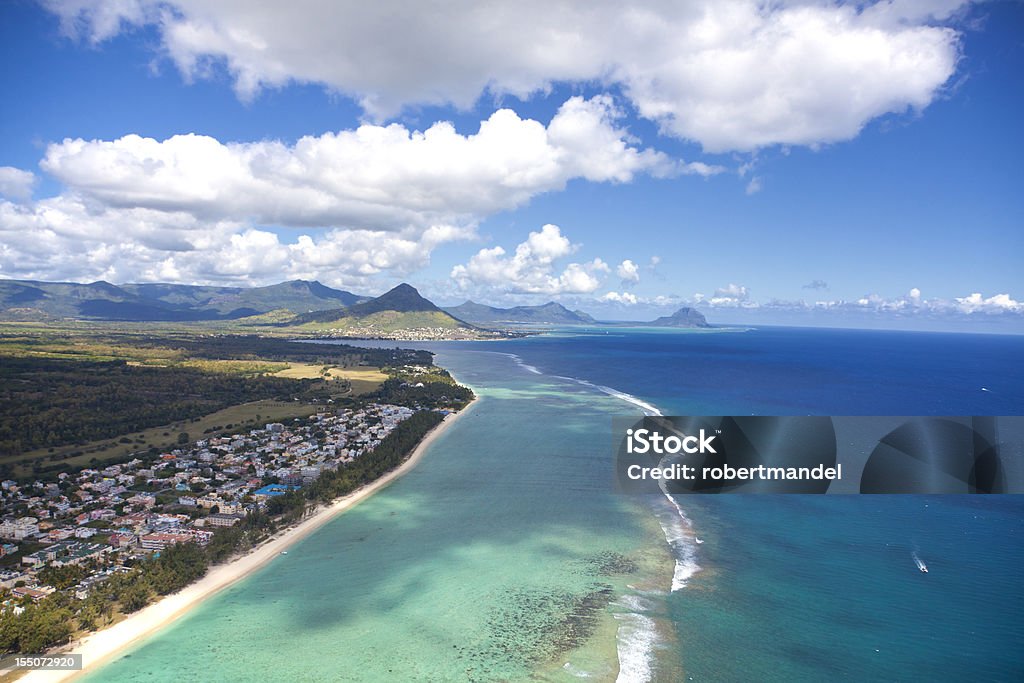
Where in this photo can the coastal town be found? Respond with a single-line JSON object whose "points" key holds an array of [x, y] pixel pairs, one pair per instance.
{"points": [[105, 520], [421, 333]]}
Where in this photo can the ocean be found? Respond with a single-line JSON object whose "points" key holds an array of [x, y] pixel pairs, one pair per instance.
{"points": [[506, 555]]}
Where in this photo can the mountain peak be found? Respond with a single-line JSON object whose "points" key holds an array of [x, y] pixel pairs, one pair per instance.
{"points": [[684, 317], [404, 288], [403, 298], [403, 305]]}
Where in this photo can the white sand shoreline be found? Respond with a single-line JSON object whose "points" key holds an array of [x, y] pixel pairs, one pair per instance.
{"points": [[102, 646]]}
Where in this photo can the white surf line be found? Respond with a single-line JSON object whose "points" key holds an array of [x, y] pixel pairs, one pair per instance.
{"points": [[680, 537], [649, 409], [523, 364], [635, 639]]}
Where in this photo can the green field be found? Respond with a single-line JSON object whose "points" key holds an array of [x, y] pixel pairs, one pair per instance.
{"points": [[361, 380]]}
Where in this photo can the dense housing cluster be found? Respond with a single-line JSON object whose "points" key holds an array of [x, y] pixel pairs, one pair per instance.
{"points": [[99, 518]]}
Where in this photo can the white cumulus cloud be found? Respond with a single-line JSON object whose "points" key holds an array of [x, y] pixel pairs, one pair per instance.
{"points": [[628, 272], [731, 294], [625, 298], [997, 303], [16, 183], [373, 177], [531, 268], [64, 238], [729, 74], [376, 199]]}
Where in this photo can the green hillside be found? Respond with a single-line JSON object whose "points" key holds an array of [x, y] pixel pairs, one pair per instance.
{"points": [[390, 321]]}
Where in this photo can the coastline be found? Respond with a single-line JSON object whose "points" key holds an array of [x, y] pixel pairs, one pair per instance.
{"points": [[102, 646]]}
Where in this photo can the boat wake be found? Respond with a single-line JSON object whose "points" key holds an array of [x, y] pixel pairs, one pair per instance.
{"points": [[921, 566]]}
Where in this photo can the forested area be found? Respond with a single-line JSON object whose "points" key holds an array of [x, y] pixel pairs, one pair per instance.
{"points": [[52, 402], [266, 348], [64, 389], [428, 395]]}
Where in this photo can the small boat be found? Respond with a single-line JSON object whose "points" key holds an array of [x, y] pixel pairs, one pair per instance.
{"points": [[921, 566], [698, 541], [285, 552]]}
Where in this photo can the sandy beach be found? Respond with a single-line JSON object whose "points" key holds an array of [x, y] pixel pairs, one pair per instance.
{"points": [[102, 646]]}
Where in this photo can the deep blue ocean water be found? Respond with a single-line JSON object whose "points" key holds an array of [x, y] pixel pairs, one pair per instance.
{"points": [[793, 371]]}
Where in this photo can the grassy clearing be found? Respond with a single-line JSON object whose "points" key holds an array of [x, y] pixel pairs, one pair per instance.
{"points": [[363, 380], [303, 371], [244, 416], [148, 356], [236, 367]]}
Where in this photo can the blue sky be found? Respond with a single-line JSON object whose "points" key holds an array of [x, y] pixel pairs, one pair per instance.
{"points": [[745, 160]]}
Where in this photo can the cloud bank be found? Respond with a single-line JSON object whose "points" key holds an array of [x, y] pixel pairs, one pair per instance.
{"points": [[913, 303], [382, 197], [728, 74]]}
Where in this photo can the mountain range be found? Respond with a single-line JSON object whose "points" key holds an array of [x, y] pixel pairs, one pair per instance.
{"points": [[32, 300], [548, 313], [300, 304], [553, 313]]}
